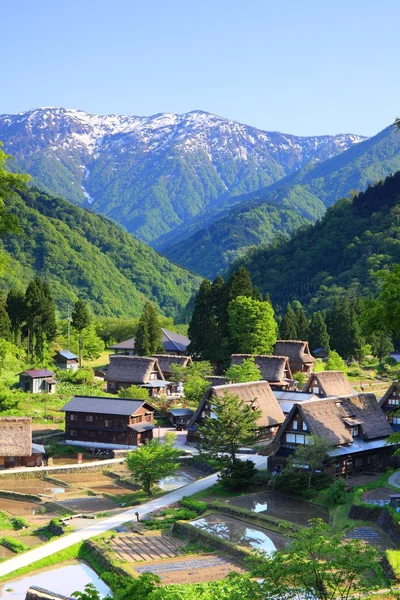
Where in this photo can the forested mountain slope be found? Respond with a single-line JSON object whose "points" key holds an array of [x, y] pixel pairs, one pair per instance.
{"points": [[153, 174], [300, 196], [84, 254], [338, 255]]}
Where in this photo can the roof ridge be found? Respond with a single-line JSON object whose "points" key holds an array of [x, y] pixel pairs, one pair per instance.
{"points": [[169, 338]]}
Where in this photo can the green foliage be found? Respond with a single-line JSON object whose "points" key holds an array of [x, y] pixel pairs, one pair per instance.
{"points": [[197, 505], [335, 362], [84, 376], [238, 475], [40, 317], [287, 326], [82, 254], [251, 325], [148, 333], [318, 333], [319, 564], [202, 326], [233, 424], [194, 379], [152, 462], [344, 329], [262, 479], [247, 371], [134, 391], [335, 493], [313, 455], [15, 545], [301, 378]]}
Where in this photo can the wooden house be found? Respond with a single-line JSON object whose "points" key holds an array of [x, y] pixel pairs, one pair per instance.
{"points": [[255, 393], [108, 422], [38, 381], [64, 359], [298, 353], [390, 404], [16, 446], [144, 371], [173, 343], [166, 360], [274, 369], [328, 383], [179, 417], [355, 426]]}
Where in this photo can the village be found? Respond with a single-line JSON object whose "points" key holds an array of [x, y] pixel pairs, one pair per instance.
{"points": [[324, 449]]}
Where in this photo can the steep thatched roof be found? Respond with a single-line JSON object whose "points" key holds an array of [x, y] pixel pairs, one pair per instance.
{"points": [[330, 383], [15, 436], [166, 360], [272, 368], [257, 392], [395, 387], [38, 593], [216, 379], [132, 369], [331, 418], [296, 350]]}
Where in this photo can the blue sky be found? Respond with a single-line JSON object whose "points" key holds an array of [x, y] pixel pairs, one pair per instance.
{"points": [[298, 66]]}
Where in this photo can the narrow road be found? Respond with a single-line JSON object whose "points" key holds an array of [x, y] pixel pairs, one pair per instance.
{"points": [[115, 521]]}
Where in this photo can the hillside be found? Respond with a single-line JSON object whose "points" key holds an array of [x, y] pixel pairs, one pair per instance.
{"points": [[154, 174], [81, 253], [303, 195], [337, 256]]}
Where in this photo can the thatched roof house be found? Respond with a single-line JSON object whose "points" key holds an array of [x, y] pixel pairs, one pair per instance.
{"points": [[257, 393], [124, 371], [274, 369], [15, 436], [166, 360], [172, 342], [328, 383], [390, 404], [298, 353], [355, 426]]}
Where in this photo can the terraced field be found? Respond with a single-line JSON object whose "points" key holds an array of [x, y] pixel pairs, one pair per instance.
{"points": [[133, 547]]}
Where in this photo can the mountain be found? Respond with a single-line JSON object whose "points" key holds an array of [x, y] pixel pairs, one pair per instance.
{"points": [[338, 255], [84, 254], [154, 174], [212, 242]]}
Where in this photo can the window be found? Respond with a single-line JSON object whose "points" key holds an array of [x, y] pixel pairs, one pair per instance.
{"points": [[315, 389], [153, 375], [107, 423], [354, 430], [396, 421], [294, 425], [73, 417], [291, 438], [89, 418], [297, 438], [305, 428], [393, 401]]}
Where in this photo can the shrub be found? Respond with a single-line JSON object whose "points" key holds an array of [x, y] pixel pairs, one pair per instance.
{"points": [[19, 523], [262, 479], [196, 505], [84, 376], [14, 545], [179, 514], [335, 493], [301, 378], [295, 481], [355, 372], [237, 475]]}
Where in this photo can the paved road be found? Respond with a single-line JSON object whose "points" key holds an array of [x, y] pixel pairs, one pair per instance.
{"points": [[395, 479], [100, 527]]}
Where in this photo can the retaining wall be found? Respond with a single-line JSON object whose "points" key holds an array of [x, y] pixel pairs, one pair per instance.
{"points": [[41, 472]]}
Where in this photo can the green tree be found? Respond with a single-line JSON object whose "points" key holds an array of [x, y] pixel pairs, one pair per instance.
{"points": [[232, 425], [202, 327], [321, 565], [40, 317], [5, 323], [247, 371], [148, 334], [15, 307], [318, 335], [193, 378], [80, 321], [313, 454], [301, 321], [335, 362], [134, 391], [287, 326], [252, 326], [239, 284], [344, 329], [381, 344], [238, 475], [152, 462]]}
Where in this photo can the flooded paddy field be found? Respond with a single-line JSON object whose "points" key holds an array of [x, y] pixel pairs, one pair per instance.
{"points": [[280, 506], [241, 533], [63, 580], [181, 478]]}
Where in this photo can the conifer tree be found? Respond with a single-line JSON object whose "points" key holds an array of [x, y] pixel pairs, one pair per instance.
{"points": [[239, 284], [319, 336], [148, 334], [287, 326], [5, 324], [202, 326], [40, 316], [15, 306], [301, 321], [80, 321], [344, 330]]}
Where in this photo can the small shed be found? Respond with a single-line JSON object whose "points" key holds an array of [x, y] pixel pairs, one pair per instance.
{"points": [[179, 417], [16, 446], [64, 359], [38, 381]]}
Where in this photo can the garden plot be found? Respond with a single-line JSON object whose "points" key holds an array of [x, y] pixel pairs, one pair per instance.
{"points": [[88, 504], [190, 569], [133, 547]]}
